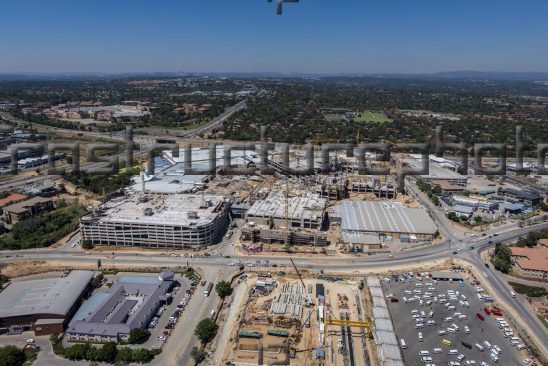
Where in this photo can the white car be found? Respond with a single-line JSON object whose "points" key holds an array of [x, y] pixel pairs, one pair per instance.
{"points": [[30, 340], [527, 361]]}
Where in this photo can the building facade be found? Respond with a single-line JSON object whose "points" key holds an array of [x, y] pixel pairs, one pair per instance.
{"points": [[158, 221]]}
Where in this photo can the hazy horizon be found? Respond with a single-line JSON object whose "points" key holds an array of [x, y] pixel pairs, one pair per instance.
{"points": [[242, 36]]}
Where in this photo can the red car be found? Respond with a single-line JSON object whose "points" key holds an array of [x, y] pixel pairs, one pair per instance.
{"points": [[394, 299], [487, 311], [479, 316]]}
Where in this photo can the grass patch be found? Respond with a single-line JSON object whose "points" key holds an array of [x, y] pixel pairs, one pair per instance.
{"points": [[531, 291], [334, 117], [371, 116], [542, 320]]}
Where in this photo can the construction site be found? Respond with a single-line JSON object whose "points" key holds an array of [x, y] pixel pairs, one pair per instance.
{"points": [[306, 321]]}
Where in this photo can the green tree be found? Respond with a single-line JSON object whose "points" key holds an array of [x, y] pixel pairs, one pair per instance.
{"points": [[223, 289], [142, 355], [502, 257], [124, 356], [453, 216], [107, 353], [206, 330], [77, 352], [86, 244], [138, 335], [11, 356], [197, 354]]}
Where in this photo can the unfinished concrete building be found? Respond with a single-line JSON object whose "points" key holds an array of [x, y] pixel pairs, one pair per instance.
{"points": [[157, 221], [297, 220], [380, 186], [304, 210]]}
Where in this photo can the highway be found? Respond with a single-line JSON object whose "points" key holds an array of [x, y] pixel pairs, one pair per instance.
{"points": [[216, 122]]}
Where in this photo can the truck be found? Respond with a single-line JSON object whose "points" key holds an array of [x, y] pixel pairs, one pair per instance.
{"points": [[207, 291]]}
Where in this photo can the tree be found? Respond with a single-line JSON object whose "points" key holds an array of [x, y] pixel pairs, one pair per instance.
{"points": [[107, 353], [97, 280], [197, 354], [502, 257], [77, 352], [223, 289], [478, 219], [206, 330], [86, 244], [138, 335], [124, 356], [453, 216], [142, 355], [11, 356]]}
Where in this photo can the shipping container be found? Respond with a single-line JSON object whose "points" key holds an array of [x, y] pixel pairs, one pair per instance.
{"points": [[254, 335], [277, 333]]}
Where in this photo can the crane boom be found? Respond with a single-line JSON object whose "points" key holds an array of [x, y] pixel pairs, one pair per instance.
{"points": [[308, 298]]}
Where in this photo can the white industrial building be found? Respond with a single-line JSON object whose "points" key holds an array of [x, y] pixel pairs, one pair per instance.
{"points": [[157, 221], [439, 169]]}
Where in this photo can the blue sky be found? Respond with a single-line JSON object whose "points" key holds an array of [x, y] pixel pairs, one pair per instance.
{"points": [[326, 36]]}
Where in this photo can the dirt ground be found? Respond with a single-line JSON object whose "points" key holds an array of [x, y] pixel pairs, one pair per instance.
{"points": [[255, 315]]}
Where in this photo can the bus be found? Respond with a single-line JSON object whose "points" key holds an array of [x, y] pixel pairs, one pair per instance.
{"points": [[207, 291]]}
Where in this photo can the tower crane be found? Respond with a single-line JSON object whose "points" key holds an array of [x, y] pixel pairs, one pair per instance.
{"points": [[309, 301]]}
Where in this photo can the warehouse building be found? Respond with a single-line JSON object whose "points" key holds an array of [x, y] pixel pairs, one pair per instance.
{"points": [[43, 305], [129, 304], [529, 198], [440, 169], [387, 219], [157, 221]]}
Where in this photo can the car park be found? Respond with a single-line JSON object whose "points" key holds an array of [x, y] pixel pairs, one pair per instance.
{"points": [[447, 318]]}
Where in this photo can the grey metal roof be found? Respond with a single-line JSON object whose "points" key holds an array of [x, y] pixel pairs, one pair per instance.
{"points": [[384, 216], [130, 305], [520, 194], [463, 209], [446, 276], [51, 296]]}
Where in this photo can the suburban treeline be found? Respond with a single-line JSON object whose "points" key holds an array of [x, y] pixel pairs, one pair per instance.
{"points": [[43, 229], [108, 352]]}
